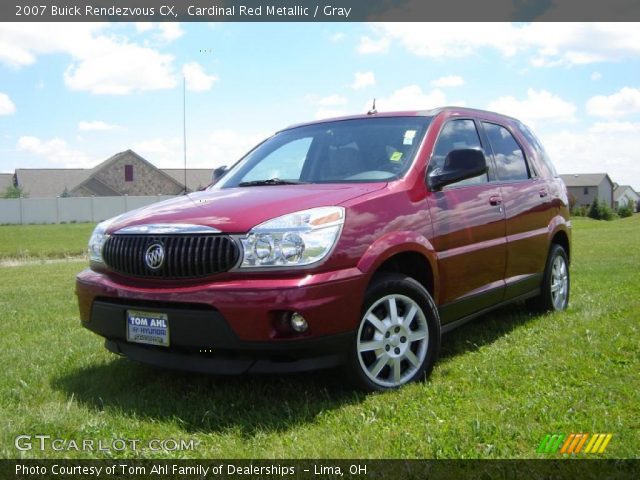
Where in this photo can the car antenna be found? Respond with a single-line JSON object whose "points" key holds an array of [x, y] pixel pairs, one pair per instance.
{"points": [[373, 110], [184, 128]]}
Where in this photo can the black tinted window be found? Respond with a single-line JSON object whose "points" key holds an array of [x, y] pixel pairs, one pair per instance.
{"points": [[456, 135], [510, 162]]}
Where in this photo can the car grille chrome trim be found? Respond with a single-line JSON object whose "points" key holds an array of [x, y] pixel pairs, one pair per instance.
{"points": [[185, 256]]}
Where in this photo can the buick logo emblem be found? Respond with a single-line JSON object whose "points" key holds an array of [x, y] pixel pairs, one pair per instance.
{"points": [[154, 256]]}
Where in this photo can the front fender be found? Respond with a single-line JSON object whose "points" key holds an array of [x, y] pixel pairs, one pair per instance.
{"points": [[394, 243]]}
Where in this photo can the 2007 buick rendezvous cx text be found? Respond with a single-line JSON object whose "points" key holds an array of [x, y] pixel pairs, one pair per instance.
{"points": [[353, 242]]}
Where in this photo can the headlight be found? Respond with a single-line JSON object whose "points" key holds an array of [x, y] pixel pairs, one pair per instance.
{"points": [[295, 240], [98, 237]]}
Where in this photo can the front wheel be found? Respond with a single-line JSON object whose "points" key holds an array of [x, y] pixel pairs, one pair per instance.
{"points": [[398, 336]]}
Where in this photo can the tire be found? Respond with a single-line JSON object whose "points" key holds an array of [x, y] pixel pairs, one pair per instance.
{"points": [[556, 283], [387, 353]]}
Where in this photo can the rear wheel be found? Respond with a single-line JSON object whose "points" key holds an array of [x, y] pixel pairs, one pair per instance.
{"points": [[398, 337], [556, 283]]}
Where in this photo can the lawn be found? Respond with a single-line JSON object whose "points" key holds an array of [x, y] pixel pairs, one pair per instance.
{"points": [[504, 381], [44, 241]]}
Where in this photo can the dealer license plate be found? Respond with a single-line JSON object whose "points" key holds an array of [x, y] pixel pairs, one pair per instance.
{"points": [[151, 328]]}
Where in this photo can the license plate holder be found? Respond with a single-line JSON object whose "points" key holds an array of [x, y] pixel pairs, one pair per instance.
{"points": [[150, 328]]}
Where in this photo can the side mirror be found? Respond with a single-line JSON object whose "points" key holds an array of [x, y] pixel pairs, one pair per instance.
{"points": [[218, 173], [458, 165]]}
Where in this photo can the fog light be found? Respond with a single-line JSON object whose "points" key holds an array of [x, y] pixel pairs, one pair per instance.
{"points": [[298, 323]]}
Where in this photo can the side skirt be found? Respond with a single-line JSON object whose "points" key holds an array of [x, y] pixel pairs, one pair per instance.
{"points": [[456, 323]]}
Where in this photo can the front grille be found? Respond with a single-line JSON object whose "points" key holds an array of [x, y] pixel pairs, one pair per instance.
{"points": [[185, 256]]}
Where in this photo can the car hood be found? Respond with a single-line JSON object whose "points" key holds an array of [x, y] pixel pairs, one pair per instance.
{"points": [[238, 210]]}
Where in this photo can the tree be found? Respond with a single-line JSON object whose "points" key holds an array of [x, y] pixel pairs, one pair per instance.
{"points": [[13, 191], [594, 209], [600, 211]]}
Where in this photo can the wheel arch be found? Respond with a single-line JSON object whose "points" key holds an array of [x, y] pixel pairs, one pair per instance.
{"points": [[560, 234], [561, 238], [406, 253]]}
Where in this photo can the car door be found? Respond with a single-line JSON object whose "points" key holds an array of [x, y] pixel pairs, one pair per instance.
{"points": [[528, 209], [469, 230]]}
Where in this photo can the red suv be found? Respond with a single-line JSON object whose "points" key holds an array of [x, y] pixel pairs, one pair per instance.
{"points": [[354, 242]]}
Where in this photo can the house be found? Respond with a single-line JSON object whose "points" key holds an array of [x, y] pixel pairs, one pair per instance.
{"points": [[584, 187], [6, 180], [622, 194], [48, 182], [125, 173], [197, 178]]}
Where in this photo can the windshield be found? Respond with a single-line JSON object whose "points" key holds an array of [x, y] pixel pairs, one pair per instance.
{"points": [[361, 150]]}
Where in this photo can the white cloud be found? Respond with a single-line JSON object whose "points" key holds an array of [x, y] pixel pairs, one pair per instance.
{"points": [[197, 79], [439, 39], [608, 149], [56, 151], [595, 76], [328, 106], [539, 105], [169, 31], [225, 147], [448, 81], [410, 97], [121, 68], [166, 152], [615, 127], [142, 27], [220, 147], [547, 44], [97, 126], [362, 80], [368, 45], [624, 102], [7, 107], [337, 37], [102, 63]]}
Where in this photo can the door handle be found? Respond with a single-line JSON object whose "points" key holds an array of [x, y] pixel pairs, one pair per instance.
{"points": [[543, 193], [495, 200]]}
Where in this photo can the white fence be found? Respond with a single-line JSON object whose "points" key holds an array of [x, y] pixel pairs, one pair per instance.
{"points": [[67, 210]]}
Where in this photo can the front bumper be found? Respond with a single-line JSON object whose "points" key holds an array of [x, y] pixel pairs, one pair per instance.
{"points": [[229, 327]]}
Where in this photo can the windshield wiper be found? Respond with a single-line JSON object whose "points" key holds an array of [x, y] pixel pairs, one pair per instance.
{"points": [[270, 181]]}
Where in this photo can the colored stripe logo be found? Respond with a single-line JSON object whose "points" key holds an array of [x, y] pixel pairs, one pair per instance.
{"points": [[574, 443]]}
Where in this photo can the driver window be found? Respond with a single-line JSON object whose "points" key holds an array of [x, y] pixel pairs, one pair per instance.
{"points": [[455, 135]]}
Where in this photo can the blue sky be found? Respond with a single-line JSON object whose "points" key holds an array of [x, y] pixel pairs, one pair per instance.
{"points": [[71, 95]]}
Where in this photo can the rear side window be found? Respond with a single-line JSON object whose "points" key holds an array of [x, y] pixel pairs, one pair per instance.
{"points": [[541, 153], [455, 135], [510, 162]]}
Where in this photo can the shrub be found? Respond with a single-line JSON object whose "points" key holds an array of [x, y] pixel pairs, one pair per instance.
{"points": [[600, 211], [14, 192], [626, 210], [579, 211]]}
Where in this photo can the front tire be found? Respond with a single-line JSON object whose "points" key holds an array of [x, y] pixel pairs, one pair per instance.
{"points": [[556, 283], [398, 337]]}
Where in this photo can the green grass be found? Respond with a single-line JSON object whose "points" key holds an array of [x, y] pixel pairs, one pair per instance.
{"points": [[44, 241], [503, 382]]}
